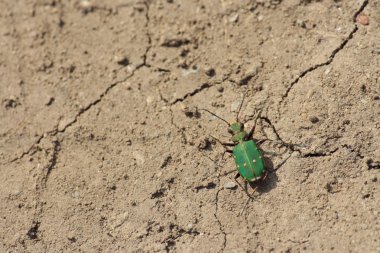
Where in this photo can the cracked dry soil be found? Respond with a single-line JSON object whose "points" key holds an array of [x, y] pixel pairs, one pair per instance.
{"points": [[103, 148]]}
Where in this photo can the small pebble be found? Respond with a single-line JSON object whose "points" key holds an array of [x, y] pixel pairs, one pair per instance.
{"points": [[149, 100], [362, 19], [234, 18], [230, 185], [313, 119], [210, 72], [122, 60], [301, 23]]}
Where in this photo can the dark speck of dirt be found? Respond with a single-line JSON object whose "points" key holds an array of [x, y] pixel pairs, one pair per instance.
{"points": [[210, 72], [158, 194], [33, 231], [50, 101], [175, 42], [204, 144], [314, 119], [72, 239], [10, 103], [209, 186], [166, 161], [123, 62]]}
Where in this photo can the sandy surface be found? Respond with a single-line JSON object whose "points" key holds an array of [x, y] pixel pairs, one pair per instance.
{"points": [[103, 147]]}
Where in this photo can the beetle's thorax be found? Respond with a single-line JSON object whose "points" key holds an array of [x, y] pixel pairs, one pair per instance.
{"points": [[238, 133]]}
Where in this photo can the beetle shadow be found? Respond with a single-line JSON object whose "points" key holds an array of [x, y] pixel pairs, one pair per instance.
{"points": [[269, 182]]}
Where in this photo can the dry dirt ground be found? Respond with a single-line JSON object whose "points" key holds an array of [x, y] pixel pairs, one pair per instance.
{"points": [[103, 147]]}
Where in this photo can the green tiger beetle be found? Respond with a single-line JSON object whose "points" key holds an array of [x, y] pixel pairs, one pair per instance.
{"points": [[248, 158]]}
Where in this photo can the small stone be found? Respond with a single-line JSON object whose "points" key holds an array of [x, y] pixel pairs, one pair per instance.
{"points": [[301, 23], [313, 119], [139, 157], [234, 18], [149, 100], [75, 194], [362, 19], [230, 185], [190, 111], [252, 71], [260, 18], [204, 144], [122, 60], [220, 89], [86, 6], [210, 72], [10, 103], [49, 101]]}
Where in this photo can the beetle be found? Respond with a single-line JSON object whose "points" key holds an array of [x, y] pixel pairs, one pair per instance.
{"points": [[248, 158]]}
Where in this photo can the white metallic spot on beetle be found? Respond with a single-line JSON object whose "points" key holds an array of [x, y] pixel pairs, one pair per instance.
{"points": [[245, 165], [254, 160]]}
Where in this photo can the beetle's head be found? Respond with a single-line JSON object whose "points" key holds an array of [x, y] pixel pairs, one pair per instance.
{"points": [[235, 128]]}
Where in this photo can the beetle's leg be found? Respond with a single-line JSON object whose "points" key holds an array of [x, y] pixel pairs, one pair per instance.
{"points": [[237, 175], [262, 141], [248, 199], [280, 164], [228, 144], [264, 176], [249, 136], [245, 188], [245, 206]]}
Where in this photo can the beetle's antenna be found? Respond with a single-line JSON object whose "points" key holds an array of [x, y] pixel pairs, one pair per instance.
{"points": [[215, 116], [241, 105]]}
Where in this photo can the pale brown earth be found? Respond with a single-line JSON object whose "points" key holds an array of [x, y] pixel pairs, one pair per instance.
{"points": [[103, 147]]}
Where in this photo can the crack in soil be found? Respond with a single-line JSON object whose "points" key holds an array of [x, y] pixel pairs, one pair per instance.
{"points": [[52, 162], [170, 241], [192, 93], [216, 213], [218, 220], [331, 57], [33, 232], [148, 35], [204, 86], [320, 154]]}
